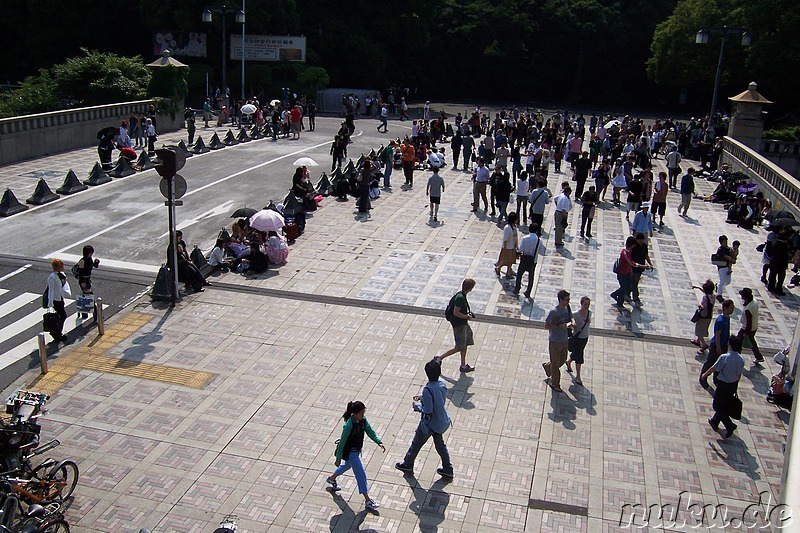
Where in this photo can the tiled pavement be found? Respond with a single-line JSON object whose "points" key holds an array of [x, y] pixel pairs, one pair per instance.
{"points": [[257, 440]]}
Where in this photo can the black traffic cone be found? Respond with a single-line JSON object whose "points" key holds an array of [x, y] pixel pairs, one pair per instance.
{"points": [[229, 139], [186, 152], [242, 136], [291, 206], [324, 185], [215, 143], [9, 205], [97, 176], [199, 147], [121, 168], [71, 184], [144, 162], [256, 133], [42, 194], [162, 289]]}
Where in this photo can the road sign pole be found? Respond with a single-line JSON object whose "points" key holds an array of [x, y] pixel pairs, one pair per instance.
{"points": [[174, 257]]}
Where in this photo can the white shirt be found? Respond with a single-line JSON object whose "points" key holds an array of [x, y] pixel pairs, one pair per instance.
{"points": [[55, 290], [753, 308], [384, 112], [523, 187], [563, 203], [509, 237], [528, 246]]}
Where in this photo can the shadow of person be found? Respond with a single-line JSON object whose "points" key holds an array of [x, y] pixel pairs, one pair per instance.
{"points": [[584, 398], [351, 520], [429, 505], [459, 394], [736, 455], [143, 344], [563, 410]]}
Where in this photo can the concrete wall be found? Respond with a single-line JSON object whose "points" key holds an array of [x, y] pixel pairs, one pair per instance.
{"points": [[786, 154], [31, 136]]}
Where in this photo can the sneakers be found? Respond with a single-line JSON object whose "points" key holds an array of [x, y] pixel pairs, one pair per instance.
{"points": [[444, 473], [371, 504], [405, 469], [714, 425], [466, 368], [435, 219], [334, 485], [437, 360], [546, 369], [758, 360]]}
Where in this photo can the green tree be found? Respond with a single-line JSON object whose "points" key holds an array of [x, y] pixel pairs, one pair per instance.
{"points": [[121, 79], [313, 79], [36, 94]]}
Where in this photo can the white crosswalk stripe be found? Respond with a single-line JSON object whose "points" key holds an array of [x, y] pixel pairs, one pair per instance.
{"points": [[25, 328]]}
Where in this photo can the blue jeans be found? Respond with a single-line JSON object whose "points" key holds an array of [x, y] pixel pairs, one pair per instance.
{"points": [[624, 288], [387, 173], [354, 462], [420, 438]]}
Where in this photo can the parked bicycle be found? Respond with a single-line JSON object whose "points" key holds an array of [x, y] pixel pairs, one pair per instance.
{"points": [[37, 519]]}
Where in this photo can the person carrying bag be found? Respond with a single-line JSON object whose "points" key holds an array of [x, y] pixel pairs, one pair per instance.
{"points": [[57, 289]]}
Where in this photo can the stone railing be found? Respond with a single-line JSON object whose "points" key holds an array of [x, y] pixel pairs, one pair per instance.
{"points": [[32, 136], [777, 184]]}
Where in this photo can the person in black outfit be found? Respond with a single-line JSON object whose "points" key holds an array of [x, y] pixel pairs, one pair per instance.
{"points": [[85, 267], [778, 253], [588, 201], [501, 193], [257, 260], [582, 168], [640, 255], [105, 148], [187, 271], [311, 112]]}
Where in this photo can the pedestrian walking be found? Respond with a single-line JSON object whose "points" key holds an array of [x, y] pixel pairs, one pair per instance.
{"points": [[480, 179], [523, 191], [57, 289], [434, 421], [455, 147], [719, 342], [724, 261], [459, 315], [467, 149], [561, 216], [623, 269], [558, 323], [508, 250], [311, 110], [191, 127], [409, 155], [673, 166], [539, 199], [640, 255], [207, 111], [582, 168], [660, 191], [349, 449], [588, 208], [150, 132], [618, 182], [703, 315], [729, 369], [387, 158], [502, 193], [84, 268], [634, 200], [580, 338], [434, 191], [687, 191], [779, 259], [530, 248], [642, 223], [384, 119], [749, 322]]}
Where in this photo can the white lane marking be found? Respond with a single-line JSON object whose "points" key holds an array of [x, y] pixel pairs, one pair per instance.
{"points": [[195, 191], [17, 302], [127, 265], [23, 268], [28, 321], [3, 291], [23, 350], [221, 209]]}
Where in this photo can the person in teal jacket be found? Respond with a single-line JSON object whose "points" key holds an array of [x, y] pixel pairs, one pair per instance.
{"points": [[349, 449]]}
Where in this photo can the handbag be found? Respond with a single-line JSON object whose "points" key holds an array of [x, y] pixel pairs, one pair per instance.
{"points": [[85, 303], [718, 261], [50, 322], [698, 314], [735, 408], [573, 341]]}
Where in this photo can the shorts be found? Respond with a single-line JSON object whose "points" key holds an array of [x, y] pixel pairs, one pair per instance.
{"points": [[296, 127], [463, 336], [436, 199], [659, 208]]}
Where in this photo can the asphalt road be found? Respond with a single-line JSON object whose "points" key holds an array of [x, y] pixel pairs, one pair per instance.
{"points": [[126, 220]]}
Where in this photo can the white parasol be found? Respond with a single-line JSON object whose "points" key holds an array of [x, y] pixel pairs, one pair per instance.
{"points": [[267, 220], [248, 109], [305, 162]]}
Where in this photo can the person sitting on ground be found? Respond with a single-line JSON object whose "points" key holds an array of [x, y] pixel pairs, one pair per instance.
{"points": [[277, 249], [255, 261], [217, 259]]}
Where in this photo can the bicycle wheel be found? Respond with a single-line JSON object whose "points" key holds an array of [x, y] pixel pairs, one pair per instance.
{"points": [[57, 525], [64, 477]]}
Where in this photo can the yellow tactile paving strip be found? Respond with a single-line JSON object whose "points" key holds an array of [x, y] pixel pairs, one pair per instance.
{"points": [[91, 357]]}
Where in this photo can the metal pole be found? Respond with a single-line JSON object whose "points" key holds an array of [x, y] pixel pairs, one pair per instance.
{"points": [[174, 257], [42, 352], [101, 317], [224, 59], [719, 75], [243, 1]]}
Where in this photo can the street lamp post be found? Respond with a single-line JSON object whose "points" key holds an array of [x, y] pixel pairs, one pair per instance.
{"points": [[224, 11], [725, 31]]}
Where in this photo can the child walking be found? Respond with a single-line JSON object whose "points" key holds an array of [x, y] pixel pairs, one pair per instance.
{"points": [[350, 444]]}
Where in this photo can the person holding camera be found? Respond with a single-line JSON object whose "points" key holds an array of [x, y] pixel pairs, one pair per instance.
{"points": [[434, 421]]}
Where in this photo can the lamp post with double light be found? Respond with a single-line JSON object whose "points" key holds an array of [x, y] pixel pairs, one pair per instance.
{"points": [[224, 11], [725, 32]]}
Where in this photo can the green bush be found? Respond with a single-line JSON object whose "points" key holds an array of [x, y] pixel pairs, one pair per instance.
{"points": [[789, 133], [37, 94]]}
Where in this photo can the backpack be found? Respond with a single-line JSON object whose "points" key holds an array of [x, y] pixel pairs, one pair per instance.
{"points": [[449, 310], [615, 268]]}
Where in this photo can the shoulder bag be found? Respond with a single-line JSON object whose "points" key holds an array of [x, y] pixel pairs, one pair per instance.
{"points": [[572, 342]]}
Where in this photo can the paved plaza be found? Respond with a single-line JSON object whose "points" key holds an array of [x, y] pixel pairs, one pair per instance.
{"points": [[231, 401]]}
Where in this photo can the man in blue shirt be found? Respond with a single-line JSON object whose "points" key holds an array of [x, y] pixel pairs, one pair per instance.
{"points": [[729, 370], [719, 343], [642, 223], [434, 422]]}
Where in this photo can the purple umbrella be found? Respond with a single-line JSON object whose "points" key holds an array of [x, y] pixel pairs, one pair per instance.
{"points": [[747, 188]]}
